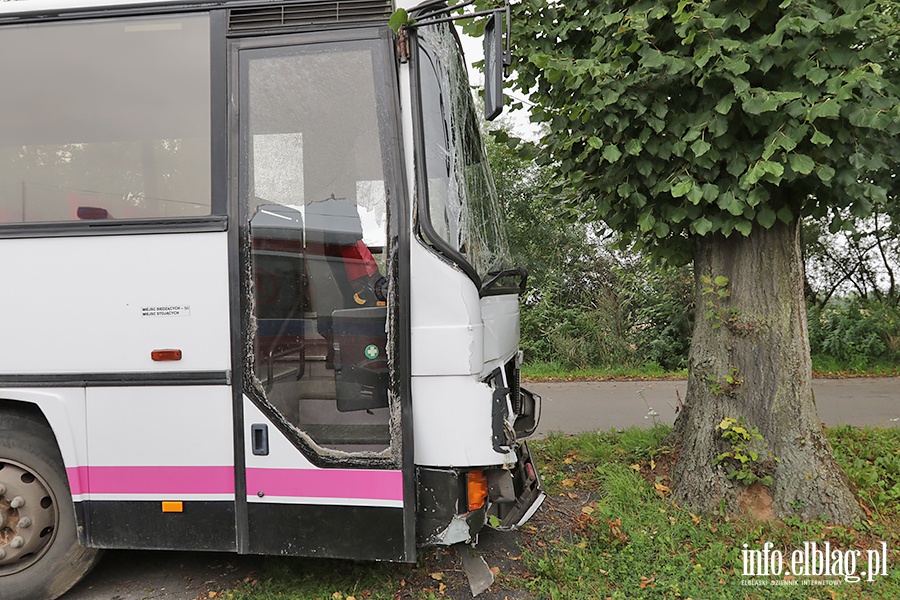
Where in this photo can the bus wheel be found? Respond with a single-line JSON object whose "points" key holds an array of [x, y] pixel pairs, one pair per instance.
{"points": [[40, 556]]}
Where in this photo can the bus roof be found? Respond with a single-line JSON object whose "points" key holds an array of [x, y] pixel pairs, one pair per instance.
{"points": [[34, 7], [8, 7]]}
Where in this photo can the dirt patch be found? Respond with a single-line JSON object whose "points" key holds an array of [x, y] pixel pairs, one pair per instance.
{"points": [[440, 571], [756, 502]]}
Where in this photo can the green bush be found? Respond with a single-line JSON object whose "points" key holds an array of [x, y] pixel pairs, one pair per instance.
{"points": [[855, 332]]}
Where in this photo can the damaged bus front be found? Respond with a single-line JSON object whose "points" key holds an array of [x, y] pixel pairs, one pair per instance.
{"points": [[273, 266], [469, 409]]}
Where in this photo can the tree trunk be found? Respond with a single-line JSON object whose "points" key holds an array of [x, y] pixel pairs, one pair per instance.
{"points": [[750, 361]]}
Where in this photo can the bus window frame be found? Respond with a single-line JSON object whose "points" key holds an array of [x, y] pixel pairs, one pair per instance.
{"points": [[217, 219]]}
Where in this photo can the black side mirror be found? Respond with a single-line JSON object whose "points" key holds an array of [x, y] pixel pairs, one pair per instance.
{"points": [[494, 65]]}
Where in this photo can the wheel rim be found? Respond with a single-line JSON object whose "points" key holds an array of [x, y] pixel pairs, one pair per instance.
{"points": [[28, 517]]}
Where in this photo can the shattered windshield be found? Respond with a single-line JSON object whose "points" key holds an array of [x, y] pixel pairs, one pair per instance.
{"points": [[462, 205]]}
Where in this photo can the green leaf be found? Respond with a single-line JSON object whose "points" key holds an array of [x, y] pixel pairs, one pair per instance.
{"points": [[772, 168], [732, 204], [766, 217], [786, 215], [700, 147], [681, 188], [695, 194], [760, 103], [744, 227], [540, 61], [652, 58], [633, 146], [646, 221], [817, 75], [702, 226], [595, 142], [826, 108], [821, 139], [801, 163], [721, 281], [678, 215], [757, 196], [661, 229], [399, 19], [724, 105], [612, 153], [737, 67], [825, 173]]}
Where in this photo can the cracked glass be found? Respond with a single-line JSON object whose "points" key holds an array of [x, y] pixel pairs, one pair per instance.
{"points": [[315, 153], [463, 209]]}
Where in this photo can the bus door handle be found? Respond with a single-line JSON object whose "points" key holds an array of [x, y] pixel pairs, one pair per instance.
{"points": [[259, 439]]}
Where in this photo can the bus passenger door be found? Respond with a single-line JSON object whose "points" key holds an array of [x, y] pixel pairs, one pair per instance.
{"points": [[321, 419]]}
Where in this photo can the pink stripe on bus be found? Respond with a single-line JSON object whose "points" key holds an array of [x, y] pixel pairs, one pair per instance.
{"points": [[151, 480], [298, 483], [326, 483]]}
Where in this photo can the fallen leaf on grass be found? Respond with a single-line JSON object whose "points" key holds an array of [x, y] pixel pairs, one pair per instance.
{"points": [[661, 489], [437, 576], [694, 518], [645, 582], [615, 528], [636, 468]]}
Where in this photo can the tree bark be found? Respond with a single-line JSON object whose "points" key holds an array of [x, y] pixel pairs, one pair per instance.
{"points": [[750, 360]]}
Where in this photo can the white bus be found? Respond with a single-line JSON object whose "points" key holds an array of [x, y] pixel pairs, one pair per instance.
{"points": [[256, 292]]}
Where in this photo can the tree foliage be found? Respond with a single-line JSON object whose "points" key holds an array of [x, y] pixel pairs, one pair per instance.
{"points": [[673, 119], [708, 129], [586, 305]]}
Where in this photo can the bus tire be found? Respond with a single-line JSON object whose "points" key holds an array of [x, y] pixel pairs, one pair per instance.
{"points": [[40, 557]]}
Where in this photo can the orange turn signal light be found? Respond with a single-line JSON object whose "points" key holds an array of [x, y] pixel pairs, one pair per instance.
{"points": [[477, 487], [162, 355], [172, 507]]}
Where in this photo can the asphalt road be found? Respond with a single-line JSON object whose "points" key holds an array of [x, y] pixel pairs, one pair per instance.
{"points": [[575, 407], [568, 407]]}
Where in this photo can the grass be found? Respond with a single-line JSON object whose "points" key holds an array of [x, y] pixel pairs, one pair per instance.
{"points": [[831, 367], [609, 530], [538, 371], [635, 543], [824, 366]]}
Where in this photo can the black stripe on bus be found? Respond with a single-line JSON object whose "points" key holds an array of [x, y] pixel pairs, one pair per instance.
{"points": [[142, 525], [62, 380], [157, 226], [328, 531]]}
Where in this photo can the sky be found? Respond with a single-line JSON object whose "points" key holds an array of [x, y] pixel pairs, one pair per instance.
{"points": [[518, 120]]}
